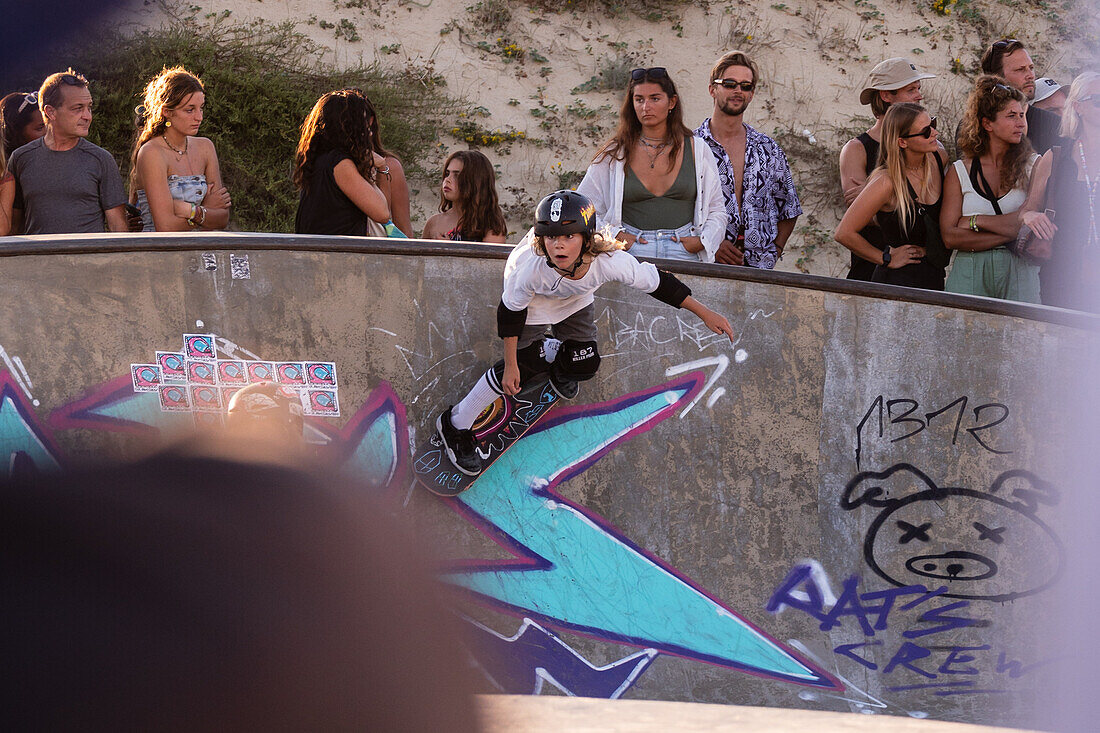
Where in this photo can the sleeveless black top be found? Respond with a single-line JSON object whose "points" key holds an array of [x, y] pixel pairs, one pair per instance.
{"points": [[924, 231], [325, 209], [862, 269]]}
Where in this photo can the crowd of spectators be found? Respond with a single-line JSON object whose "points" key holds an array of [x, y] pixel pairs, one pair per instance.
{"points": [[1023, 146], [722, 192]]}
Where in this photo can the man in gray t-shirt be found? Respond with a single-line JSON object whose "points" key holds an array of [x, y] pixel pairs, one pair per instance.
{"points": [[63, 183]]}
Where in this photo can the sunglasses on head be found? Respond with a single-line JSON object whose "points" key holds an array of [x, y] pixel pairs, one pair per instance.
{"points": [[657, 72], [926, 132], [746, 86], [1005, 43], [30, 99]]}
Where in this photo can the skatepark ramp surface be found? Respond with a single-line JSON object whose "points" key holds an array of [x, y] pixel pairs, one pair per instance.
{"points": [[850, 508]]}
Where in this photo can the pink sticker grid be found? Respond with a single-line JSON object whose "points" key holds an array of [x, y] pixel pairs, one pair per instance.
{"points": [[199, 347], [321, 374], [146, 377], [232, 372], [195, 380]]}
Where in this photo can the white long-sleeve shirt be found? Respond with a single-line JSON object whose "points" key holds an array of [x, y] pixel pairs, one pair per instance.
{"points": [[529, 282]]}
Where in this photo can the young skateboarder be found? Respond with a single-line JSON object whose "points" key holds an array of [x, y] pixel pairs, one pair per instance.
{"points": [[549, 283]]}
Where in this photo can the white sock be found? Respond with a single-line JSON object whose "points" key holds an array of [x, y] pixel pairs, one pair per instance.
{"points": [[481, 396]]}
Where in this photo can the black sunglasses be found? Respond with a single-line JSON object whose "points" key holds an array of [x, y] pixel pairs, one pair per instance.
{"points": [[657, 72], [926, 132], [1005, 43], [746, 86]]}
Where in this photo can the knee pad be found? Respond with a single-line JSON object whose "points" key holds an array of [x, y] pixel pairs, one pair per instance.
{"points": [[576, 360], [531, 363]]}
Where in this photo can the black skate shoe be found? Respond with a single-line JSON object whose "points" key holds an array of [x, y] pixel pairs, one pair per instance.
{"points": [[459, 445], [567, 389]]}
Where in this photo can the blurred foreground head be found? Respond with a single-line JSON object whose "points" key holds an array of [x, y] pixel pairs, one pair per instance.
{"points": [[184, 593]]}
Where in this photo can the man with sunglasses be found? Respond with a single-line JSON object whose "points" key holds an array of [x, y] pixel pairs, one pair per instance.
{"points": [[756, 179], [63, 183], [892, 81], [1009, 58]]}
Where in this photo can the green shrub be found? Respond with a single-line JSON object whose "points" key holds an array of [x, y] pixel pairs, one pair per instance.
{"points": [[261, 81]]}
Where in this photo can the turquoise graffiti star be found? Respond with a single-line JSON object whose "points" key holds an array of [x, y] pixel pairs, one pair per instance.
{"points": [[575, 571]]}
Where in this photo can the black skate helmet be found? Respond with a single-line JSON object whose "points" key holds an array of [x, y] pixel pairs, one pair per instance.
{"points": [[565, 212]]}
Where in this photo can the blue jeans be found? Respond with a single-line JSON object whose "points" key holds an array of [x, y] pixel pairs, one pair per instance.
{"points": [[663, 243]]}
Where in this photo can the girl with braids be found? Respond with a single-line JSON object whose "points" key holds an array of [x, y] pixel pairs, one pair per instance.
{"points": [[20, 123], [469, 210], [983, 192], [391, 177], [175, 179], [903, 196], [336, 169], [655, 184]]}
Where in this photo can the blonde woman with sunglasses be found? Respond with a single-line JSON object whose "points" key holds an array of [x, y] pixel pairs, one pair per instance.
{"points": [[20, 123], [903, 196]]}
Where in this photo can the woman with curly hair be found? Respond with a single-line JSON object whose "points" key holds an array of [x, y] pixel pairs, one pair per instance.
{"points": [[175, 179], [336, 168], [20, 122], [903, 196], [983, 192], [654, 184], [468, 205]]}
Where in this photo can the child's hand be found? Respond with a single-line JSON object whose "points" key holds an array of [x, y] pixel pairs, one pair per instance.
{"points": [[717, 323], [510, 383]]}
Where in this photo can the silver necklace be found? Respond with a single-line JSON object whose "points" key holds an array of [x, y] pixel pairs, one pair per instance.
{"points": [[656, 148]]}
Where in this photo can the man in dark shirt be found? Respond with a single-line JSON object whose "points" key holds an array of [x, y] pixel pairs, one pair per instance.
{"points": [[1010, 59], [63, 183]]}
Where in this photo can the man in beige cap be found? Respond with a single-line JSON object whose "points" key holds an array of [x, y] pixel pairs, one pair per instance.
{"points": [[890, 82]]}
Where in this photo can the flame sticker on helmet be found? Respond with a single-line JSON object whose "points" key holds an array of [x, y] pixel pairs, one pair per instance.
{"points": [[555, 210], [588, 213]]}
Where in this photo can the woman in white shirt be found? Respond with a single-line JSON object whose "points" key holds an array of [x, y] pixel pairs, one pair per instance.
{"points": [[649, 192]]}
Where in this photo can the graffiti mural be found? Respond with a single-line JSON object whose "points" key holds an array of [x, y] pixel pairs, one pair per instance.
{"points": [[1003, 550], [516, 504]]}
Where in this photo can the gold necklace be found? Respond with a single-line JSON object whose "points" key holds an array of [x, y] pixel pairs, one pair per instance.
{"points": [[175, 150]]}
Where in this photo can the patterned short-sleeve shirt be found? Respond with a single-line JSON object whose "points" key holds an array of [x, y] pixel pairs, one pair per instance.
{"points": [[767, 192]]}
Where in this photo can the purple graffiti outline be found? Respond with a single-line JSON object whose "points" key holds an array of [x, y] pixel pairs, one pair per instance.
{"points": [[525, 560]]}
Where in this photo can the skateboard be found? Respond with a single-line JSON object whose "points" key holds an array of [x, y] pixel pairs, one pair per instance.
{"points": [[495, 431]]}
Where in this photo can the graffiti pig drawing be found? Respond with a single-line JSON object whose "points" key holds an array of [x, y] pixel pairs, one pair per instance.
{"points": [[980, 544]]}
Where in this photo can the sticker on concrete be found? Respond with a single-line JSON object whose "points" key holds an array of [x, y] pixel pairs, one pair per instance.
{"points": [[146, 377], [209, 261], [238, 265]]}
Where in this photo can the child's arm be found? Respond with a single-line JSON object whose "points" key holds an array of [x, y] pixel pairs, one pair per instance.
{"points": [[713, 321], [510, 382]]}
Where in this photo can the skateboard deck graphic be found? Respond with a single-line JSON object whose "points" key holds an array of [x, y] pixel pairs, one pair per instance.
{"points": [[495, 431]]}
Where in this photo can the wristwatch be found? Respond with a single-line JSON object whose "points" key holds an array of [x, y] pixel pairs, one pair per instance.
{"points": [[886, 255]]}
